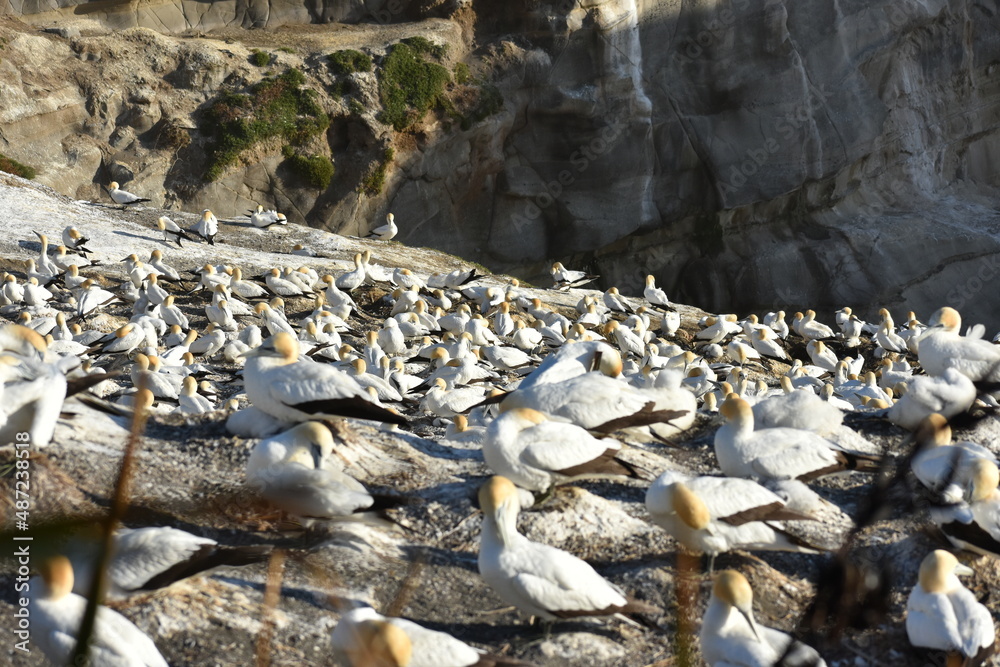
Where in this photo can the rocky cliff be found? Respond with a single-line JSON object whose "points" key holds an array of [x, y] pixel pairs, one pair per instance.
{"points": [[750, 154]]}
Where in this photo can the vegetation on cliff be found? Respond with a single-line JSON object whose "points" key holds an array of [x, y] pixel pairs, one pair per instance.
{"points": [[12, 166], [316, 170], [409, 84], [276, 107]]}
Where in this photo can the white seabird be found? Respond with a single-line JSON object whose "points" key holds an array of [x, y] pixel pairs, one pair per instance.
{"points": [[206, 228], [713, 515], [536, 453], [777, 453], [943, 614], [121, 197], [538, 579], [942, 346], [292, 390], [387, 231], [363, 637], [147, 559], [56, 615], [731, 637]]}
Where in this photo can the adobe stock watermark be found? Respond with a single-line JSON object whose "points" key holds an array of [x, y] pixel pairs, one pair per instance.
{"points": [[693, 48], [987, 269], [22, 542], [580, 161], [785, 129]]}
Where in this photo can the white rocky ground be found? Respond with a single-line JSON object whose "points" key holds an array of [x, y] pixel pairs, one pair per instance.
{"points": [[190, 475]]}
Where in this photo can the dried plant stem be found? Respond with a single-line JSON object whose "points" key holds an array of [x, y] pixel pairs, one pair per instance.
{"points": [[119, 504], [272, 593]]}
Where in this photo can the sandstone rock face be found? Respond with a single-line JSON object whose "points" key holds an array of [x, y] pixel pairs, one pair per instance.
{"points": [[180, 15], [749, 154]]}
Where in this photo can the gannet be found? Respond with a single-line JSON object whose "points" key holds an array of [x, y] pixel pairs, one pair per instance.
{"points": [[626, 339], [211, 341], [777, 453], [374, 273], [974, 526], [121, 197], [263, 219], [713, 515], [296, 473], [32, 390], [206, 228], [797, 409], [292, 390], [615, 302], [387, 231], [56, 615], [536, 453], [161, 385], [12, 291], [654, 295], [452, 280], [36, 295], [944, 468], [358, 370], [731, 637], [171, 231], [146, 559], [406, 279], [189, 401], [565, 279], [889, 340], [365, 638], [764, 340], [943, 614], [74, 240], [164, 271], [942, 347], [538, 579], [245, 288], [172, 315], [574, 360], [125, 339], [445, 402], [717, 328], [949, 394], [46, 267], [351, 280], [810, 329], [598, 402], [63, 260], [821, 355], [776, 321]]}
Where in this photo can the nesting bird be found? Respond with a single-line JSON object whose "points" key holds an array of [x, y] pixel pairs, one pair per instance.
{"points": [[730, 635], [538, 579], [121, 197], [943, 615]]}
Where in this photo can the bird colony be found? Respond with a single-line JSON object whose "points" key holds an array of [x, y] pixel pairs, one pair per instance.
{"points": [[448, 469]]}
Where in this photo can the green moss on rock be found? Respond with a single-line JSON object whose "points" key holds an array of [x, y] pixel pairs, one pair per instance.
{"points": [[409, 86], [350, 61], [316, 170], [277, 107], [12, 166]]}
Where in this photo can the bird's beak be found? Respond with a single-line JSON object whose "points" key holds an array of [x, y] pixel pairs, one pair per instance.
{"points": [[747, 614], [255, 352], [963, 570], [928, 331]]}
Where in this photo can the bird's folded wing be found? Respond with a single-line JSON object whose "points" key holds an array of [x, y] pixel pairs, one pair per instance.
{"points": [[736, 501], [930, 619], [556, 446], [796, 460]]}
